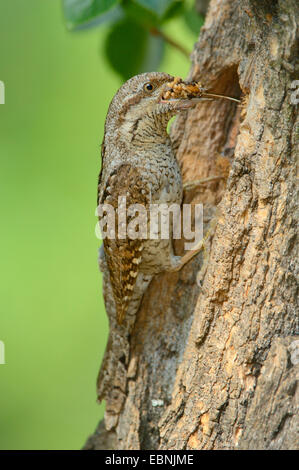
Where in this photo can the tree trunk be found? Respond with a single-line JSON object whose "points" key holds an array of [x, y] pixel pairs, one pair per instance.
{"points": [[214, 357]]}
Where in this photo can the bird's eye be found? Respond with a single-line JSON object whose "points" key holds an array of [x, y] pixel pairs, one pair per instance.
{"points": [[148, 87]]}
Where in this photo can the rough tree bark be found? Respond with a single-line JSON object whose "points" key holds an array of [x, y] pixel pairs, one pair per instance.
{"points": [[214, 358]]}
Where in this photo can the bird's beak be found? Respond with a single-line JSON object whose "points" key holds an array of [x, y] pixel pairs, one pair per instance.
{"points": [[177, 103], [182, 104]]}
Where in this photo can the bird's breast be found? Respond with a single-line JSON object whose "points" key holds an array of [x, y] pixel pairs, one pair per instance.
{"points": [[165, 176]]}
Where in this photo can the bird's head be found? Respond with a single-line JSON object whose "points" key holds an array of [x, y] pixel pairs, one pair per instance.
{"points": [[138, 113]]}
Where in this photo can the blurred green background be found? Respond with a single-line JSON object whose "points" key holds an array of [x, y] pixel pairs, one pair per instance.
{"points": [[52, 319]]}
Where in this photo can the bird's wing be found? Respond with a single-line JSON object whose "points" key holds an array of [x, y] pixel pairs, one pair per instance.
{"points": [[124, 254]]}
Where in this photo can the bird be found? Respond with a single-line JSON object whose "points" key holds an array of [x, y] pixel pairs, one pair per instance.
{"points": [[138, 163], [139, 166]]}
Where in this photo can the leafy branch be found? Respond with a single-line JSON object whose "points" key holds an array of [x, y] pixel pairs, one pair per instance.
{"points": [[136, 38]]}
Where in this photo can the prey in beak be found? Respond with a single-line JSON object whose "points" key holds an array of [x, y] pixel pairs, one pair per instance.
{"points": [[185, 95]]}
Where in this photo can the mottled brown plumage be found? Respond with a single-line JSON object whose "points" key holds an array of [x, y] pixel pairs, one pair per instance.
{"points": [[124, 255]]}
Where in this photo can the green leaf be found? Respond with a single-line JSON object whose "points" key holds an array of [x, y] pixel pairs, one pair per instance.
{"points": [[159, 7], [130, 49], [193, 20], [81, 14], [153, 55], [141, 15], [176, 9]]}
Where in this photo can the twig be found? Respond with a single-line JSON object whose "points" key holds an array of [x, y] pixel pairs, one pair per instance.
{"points": [[194, 184], [169, 40]]}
